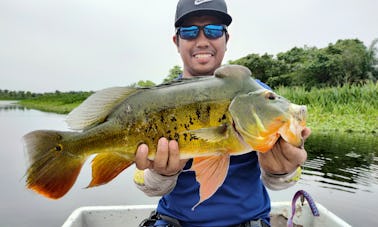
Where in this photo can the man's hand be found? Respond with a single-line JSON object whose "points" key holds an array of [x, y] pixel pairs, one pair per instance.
{"points": [[284, 157], [167, 159]]}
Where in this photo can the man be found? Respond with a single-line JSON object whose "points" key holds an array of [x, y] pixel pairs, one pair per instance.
{"points": [[201, 39]]}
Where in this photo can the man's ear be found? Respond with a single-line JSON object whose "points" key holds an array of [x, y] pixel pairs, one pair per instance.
{"points": [[175, 39], [227, 38]]}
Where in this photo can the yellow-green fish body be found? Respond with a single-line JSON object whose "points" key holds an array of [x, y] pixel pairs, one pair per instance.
{"points": [[211, 117]]}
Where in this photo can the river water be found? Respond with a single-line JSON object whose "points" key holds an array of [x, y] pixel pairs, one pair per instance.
{"points": [[341, 173]]}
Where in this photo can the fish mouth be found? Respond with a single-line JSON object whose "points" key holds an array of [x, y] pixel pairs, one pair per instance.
{"points": [[292, 130], [299, 112]]}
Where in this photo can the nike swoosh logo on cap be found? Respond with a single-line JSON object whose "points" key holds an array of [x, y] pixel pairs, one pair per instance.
{"points": [[199, 2]]}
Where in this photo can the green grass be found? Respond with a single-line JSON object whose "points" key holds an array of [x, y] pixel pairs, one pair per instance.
{"points": [[352, 108], [61, 103]]}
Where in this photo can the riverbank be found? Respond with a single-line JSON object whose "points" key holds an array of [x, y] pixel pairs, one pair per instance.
{"points": [[342, 109]]}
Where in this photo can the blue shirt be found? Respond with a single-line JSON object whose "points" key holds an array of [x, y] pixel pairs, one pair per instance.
{"points": [[241, 197]]}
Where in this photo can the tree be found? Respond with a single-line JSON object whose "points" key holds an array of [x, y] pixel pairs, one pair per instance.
{"points": [[262, 67], [173, 73], [373, 60], [145, 83]]}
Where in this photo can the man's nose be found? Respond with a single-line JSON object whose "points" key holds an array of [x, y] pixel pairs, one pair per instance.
{"points": [[202, 40]]}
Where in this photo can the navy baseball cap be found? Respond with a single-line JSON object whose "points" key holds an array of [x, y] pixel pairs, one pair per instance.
{"points": [[188, 8]]}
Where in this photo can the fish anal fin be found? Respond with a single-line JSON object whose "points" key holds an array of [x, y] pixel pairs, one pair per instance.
{"points": [[105, 167], [212, 134], [210, 173]]}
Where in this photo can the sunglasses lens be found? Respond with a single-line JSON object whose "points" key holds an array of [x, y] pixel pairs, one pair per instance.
{"points": [[189, 32], [213, 31]]}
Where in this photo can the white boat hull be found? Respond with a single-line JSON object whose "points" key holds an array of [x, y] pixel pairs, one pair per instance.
{"points": [[121, 216]]}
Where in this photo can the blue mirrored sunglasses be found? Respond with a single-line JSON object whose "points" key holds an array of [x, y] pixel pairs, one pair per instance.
{"points": [[211, 31]]}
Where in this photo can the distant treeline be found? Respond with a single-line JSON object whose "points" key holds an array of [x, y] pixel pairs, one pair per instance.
{"points": [[73, 96], [347, 61]]}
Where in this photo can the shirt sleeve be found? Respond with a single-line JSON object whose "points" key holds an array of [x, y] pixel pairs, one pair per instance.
{"points": [[280, 182], [154, 184]]}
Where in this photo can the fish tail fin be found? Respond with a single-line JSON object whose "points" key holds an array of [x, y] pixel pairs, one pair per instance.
{"points": [[53, 169]]}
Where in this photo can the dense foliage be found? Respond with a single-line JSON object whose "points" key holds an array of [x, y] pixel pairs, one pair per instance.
{"points": [[345, 62], [350, 108]]}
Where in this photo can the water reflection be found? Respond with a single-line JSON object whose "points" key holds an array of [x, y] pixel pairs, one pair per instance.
{"points": [[342, 161], [11, 105]]}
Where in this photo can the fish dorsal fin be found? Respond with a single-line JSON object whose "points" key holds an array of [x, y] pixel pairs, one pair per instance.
{"points": [[210, 173], [97, 107], [237, 71]]}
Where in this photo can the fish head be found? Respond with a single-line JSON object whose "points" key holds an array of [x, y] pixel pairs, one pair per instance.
{"points": [[261, 117]]}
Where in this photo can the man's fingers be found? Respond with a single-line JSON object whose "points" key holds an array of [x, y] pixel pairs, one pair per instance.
{"points": [[294, 155], [162, 155], [306, 133], [173, 165], [141, 160]]}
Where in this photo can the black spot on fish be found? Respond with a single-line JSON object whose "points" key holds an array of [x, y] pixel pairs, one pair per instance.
{"points": [[191, 120], [198, 113], [222, 118], [173, 119], [193, 137], [58, 147], [185, 136], [208, 108], [161, 119], [177, 136], [169, 132]]}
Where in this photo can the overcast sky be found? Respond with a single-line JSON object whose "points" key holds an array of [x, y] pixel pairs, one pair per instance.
{"points": [[84, 45]]}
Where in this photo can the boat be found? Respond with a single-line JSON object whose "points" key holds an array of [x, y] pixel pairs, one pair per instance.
{"points": [[132, 215]]}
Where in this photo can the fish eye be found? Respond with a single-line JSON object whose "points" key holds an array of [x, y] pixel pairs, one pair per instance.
{"points": [[270, 96]]}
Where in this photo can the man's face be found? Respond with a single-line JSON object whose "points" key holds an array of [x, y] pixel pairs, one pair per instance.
{"points": [[201, 56]]}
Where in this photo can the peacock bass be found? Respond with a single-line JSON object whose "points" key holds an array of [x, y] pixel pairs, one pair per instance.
{"points": [[211, 117]]}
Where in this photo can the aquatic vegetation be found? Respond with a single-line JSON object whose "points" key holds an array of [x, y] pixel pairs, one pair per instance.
{"points": [[348, 108]]}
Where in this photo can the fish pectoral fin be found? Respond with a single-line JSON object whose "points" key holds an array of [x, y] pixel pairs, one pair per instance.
{"points": [[97, 107], [212, 134], [105, 167], [210, 173]]}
